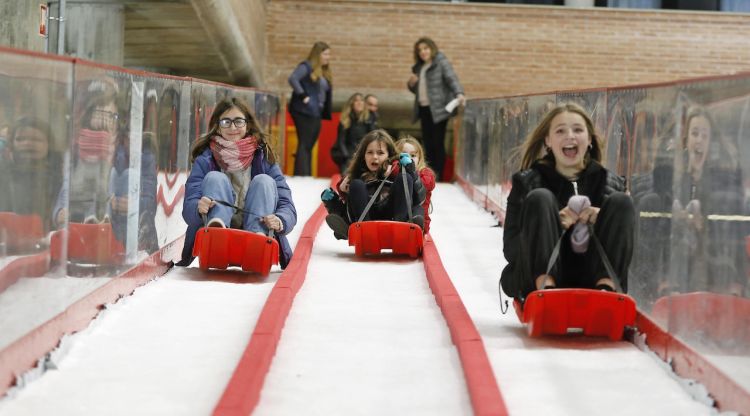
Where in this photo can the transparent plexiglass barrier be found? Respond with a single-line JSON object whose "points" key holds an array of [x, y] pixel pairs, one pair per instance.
{"points": [[685, 150], [93, 162]]}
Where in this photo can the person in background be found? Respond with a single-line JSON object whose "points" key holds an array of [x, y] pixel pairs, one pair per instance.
{"points": [[86, 198], [356, 121], [411, 146], [375, 161], [700, 182], [312, 88], [119, 182], [32, 176], [562, 158], [434, 84], [233, 163], [371, 101]]}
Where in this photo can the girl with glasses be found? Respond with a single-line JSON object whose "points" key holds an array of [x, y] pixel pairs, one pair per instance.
{"points": [[233, 163]]}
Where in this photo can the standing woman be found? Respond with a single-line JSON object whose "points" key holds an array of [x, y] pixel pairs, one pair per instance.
{"points": [[312, 84], [233, 163], [434, 84]]}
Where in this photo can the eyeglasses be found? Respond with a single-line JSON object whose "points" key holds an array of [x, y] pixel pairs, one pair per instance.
{"points": [[238, 122], [107, 114]]}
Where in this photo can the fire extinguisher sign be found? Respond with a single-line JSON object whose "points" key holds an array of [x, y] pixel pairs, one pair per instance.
{"points": [[43, 17]]}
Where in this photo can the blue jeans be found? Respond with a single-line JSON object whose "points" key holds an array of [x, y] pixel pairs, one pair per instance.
{"points": [[261, 199]]}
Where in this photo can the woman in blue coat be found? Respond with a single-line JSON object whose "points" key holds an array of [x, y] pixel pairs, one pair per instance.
{"points": [[233, 163], [312, 85]]}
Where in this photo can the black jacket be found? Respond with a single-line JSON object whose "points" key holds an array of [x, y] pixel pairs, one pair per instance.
{"points": [[595, 181], [348, 139]]}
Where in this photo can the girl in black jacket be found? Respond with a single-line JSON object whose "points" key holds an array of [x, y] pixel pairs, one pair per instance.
{"points": [[559, 159]]}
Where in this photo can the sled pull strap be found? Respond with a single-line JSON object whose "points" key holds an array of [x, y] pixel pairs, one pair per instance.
{"points": [[227, 204], [236, 208], [406, 191], [605, 260], [371, 201], [553, 259]]}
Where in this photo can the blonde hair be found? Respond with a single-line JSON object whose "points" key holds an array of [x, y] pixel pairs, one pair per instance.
{"points": [[345, 118], [422, 163], [533, 148], [318, 69]]}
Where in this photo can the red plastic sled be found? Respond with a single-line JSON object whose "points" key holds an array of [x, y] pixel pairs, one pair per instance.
{"points": [[88, 243], [561, 311], [22, 232], [722, 318], [370, 237], [219, 248]]}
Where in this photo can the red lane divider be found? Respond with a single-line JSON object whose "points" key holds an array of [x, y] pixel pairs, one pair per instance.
{"points": [[480, 380], [23, 354], [688, 363], [243, 391]]}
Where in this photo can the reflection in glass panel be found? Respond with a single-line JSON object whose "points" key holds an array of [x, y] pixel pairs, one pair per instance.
{"points": [[34, 107]]}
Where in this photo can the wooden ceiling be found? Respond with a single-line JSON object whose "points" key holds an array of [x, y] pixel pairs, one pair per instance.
{"points": [[167, 37]]}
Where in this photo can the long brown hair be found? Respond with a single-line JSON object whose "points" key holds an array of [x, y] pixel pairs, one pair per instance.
{"points": [[429, 42], [724, 152], [253, 128], [357, 165], [318, 69], [533, 148]]}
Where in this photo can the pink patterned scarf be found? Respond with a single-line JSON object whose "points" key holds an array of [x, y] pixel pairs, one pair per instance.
{"points": [[95, 145], [234, 156]]}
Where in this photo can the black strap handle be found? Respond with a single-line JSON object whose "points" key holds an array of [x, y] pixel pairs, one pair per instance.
{"points": [[602, 254], [406, 191], [234, 207], [371, 201]]}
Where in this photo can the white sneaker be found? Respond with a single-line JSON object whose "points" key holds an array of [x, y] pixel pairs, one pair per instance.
{"points": [[216, 222]]}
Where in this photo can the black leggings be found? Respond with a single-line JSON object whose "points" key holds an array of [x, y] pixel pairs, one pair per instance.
{"points": [[433, 138], [308, 129], [393, 209], [541, 228]]}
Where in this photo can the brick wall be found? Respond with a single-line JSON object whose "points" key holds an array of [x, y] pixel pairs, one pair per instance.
{"points": [[500, 49]]}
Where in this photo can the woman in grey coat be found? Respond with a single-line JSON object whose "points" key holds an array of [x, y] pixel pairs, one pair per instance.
{"points": [[434, 84]]}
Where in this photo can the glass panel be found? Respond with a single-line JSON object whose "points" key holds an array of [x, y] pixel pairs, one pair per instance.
{"points": [[34, 137], [94, 162]]}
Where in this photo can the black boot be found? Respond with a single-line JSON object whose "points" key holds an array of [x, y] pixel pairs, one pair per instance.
{"points": [[418, 220], [339, 226]]}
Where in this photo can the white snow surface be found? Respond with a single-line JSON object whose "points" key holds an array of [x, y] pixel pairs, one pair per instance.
{"points": [[364, 337]]}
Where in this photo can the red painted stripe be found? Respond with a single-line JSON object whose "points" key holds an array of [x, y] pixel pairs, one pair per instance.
{"points": [[480, 380], [169, 206], [171, 181], [243, 391], [23, 354], [688, 363]]}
